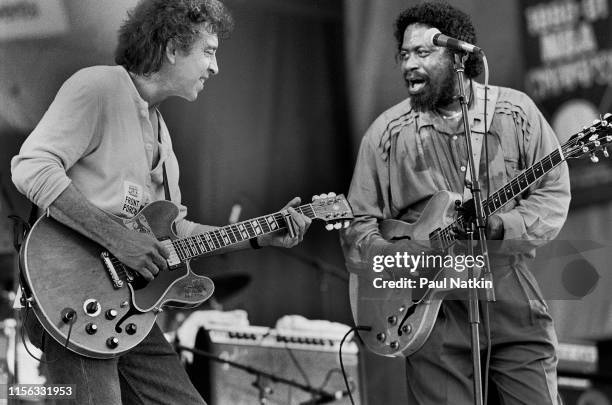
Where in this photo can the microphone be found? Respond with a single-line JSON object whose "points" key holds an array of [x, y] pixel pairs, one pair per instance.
{"points": [[433, 36]]}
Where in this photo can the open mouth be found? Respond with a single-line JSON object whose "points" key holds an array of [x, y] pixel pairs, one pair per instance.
{"points": [[416, 84]]}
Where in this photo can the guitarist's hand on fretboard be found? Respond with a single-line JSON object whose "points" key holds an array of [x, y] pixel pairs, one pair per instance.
{"points": [[297, 225]]}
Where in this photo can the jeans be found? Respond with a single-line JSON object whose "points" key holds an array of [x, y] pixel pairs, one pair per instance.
{"points": [[150, 373]]}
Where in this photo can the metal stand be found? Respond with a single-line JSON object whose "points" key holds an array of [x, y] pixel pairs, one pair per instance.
{"points": [[474, 313]]}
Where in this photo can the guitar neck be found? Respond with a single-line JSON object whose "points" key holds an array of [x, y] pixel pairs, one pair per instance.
{"points": [[504, 194], [521, 182], [211, 241]]}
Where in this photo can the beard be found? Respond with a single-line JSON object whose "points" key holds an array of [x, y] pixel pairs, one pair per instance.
{"points": [[436, 93]]}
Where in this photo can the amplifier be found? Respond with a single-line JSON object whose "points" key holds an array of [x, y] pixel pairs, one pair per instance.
{"points": [[310, 359]]}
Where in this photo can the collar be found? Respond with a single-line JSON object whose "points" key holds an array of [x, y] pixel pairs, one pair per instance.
{"points": [[475, 113]]}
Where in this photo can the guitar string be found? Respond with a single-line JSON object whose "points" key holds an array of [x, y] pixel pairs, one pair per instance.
{"points": [[446, 233], [189, 247]]}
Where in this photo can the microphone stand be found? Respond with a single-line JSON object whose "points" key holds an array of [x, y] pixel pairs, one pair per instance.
{"points": [[474, 186]]}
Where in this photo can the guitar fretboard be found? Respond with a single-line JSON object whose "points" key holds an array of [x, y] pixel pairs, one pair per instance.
{"points": [[193, 246], [501, 197]]}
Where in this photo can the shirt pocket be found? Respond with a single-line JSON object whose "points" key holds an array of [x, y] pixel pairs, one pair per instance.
{"points": [[512, 166]]}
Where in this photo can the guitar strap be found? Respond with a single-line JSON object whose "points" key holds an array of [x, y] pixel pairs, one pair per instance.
{"points": [[479, 129], [166, 187]]}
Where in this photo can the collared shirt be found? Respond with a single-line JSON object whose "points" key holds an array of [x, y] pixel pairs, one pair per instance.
{"points": [[98, 136], [428, 153]]}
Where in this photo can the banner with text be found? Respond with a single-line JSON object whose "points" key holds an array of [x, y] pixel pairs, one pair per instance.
{"points": [[568, 53]]}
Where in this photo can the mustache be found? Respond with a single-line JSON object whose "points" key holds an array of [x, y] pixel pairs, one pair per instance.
{"points": [[415, 76]]}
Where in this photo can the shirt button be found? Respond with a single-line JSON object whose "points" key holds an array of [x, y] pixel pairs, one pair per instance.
{"points": [[454, 137], [149, 146], [463, 168]]}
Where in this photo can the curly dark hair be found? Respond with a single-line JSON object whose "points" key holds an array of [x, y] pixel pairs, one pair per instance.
{"points": [[449, 20], [152, 23]]}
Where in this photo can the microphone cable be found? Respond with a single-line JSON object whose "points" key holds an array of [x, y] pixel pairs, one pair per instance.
{"points": [[349, 390]]}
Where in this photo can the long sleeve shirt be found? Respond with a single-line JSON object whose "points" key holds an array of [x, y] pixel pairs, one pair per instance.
{"points": [[98, 136], [428, 153]]}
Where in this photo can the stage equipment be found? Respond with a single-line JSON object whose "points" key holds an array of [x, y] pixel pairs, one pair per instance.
{"points": [[309, 359]]}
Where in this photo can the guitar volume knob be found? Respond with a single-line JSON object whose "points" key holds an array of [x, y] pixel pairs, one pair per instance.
{"points": [[381, 337], [91, 328], [111, 314], [392, 320], [131, 328], [394, 345], [112, 342]]}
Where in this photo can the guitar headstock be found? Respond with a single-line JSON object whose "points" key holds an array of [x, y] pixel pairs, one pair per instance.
{"points": [[590, 140], [333, 209]]}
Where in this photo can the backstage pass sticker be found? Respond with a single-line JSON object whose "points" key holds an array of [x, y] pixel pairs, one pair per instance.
{"points": [[132, 198]]}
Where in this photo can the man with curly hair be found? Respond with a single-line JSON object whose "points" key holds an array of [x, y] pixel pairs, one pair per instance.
{"points": [[417, 148], [103, 147]]}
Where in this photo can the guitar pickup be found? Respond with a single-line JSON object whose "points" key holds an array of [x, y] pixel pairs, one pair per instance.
{"points": [[174, 260], [110, 268]]}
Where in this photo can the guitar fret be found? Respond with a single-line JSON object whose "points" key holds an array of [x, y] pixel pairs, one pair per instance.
{"points": [[233, 231], [202, 243], [256, 227], [243, 232], [184, 248], [210, 241], [264, 225], [224, 236], [197, 245], [272, 222], [192, 247], [531, 177], [218, 238], [177, 247]]}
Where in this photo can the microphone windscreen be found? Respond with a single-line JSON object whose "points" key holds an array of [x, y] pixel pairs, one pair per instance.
{"points": [[430, 34]]}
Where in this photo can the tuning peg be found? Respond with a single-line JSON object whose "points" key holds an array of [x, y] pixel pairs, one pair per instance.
{"points": [[606, 116], [338, 225], [332, 194], [594, 158], [329, 227], [605, 152], [322, 196], [315, 197], [346, 223]]}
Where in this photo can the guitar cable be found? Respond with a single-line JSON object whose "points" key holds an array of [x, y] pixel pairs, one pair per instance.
{"points": [[349, 389], [42, 340]]}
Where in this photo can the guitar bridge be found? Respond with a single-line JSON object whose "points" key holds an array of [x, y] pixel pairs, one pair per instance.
{"points": [[110, 268]]}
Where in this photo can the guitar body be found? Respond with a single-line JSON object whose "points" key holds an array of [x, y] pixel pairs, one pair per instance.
{"points": [[383, 309], [64, 272]]}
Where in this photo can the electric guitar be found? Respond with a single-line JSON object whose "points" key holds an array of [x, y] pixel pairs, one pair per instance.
{"points": [[402, 318], [94, 305]]}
